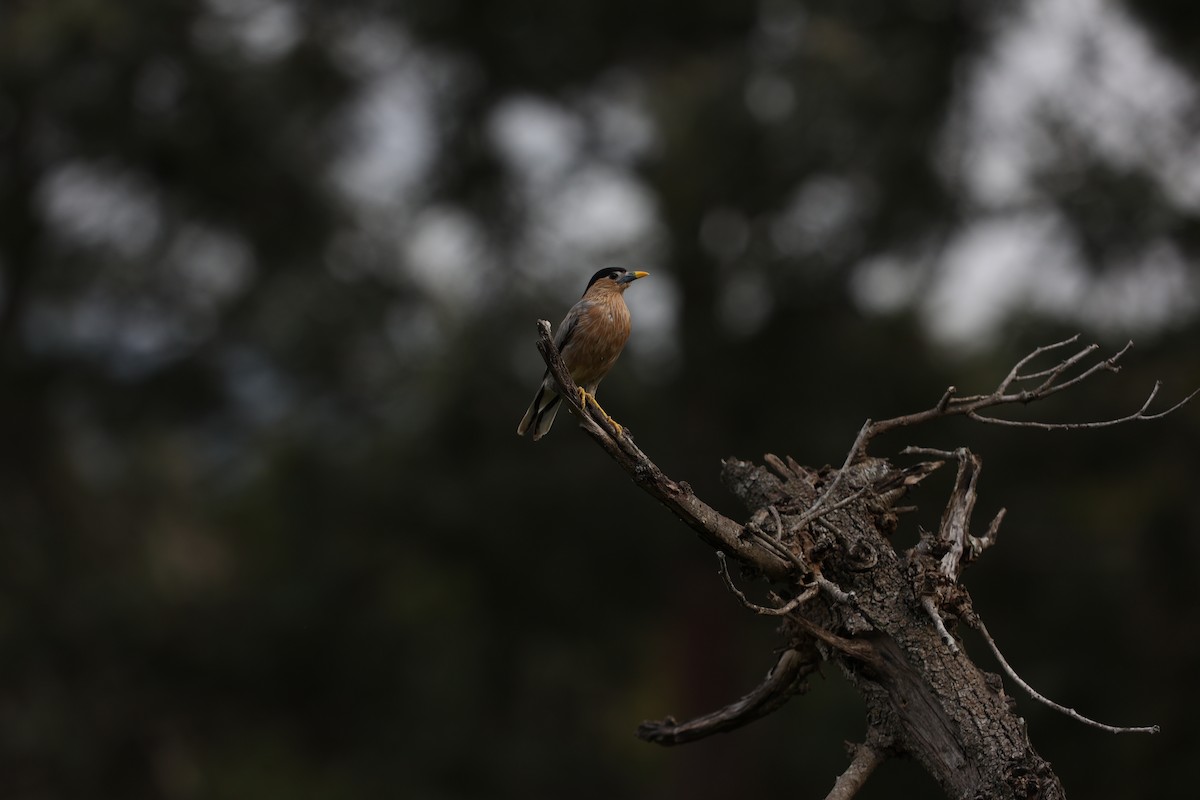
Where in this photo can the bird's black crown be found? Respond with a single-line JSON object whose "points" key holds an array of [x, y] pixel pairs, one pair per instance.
{"points": [[608, 272]]}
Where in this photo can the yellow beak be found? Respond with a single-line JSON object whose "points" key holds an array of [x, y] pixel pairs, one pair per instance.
{"points": [[637, 275]]}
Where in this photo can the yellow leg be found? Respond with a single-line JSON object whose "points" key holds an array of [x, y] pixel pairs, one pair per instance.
{"points": [[584, 397]]}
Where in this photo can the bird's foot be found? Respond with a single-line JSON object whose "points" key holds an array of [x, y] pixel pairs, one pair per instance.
{"points": [[585, 397]]}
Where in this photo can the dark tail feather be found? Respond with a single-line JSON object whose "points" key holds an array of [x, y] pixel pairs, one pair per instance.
{"points": [[545, 417], [540, 415]]}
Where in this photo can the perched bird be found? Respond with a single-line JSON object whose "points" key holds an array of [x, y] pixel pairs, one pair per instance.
{"points": [[590, 338]]}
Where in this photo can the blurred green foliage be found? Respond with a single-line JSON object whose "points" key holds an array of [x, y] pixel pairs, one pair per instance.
{"points": [[268, 278]]}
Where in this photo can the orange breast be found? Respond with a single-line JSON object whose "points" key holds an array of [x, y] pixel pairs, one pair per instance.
{"points": [[599, 337]]}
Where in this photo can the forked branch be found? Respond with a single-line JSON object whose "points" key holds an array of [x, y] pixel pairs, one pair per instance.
{"points": [[1051, 380]]}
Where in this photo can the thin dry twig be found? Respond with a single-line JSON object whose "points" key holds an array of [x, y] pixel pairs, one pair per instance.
{"points": [[814, 512], [1051, 383], [930, 605], [776, 547], [981, 543], [778, 521], [864, 433], [975, 622], [797, 601], [836, 592], [1139, 415], [951, 404], [912, 450]]}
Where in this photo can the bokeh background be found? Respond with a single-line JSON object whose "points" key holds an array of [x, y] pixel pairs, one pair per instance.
{"points": [[268, 276]]}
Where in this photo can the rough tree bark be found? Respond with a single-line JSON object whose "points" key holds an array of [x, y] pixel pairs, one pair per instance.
{"points": [[845, 595]]}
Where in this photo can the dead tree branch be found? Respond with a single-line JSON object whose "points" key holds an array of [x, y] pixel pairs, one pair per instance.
{"points": [[845, 594], [714, 528], [784, 680], [1051, 383], [866, 758], [808, 594]]}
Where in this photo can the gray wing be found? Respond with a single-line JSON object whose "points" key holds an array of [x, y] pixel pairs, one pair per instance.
{"points": [[567, 327]]}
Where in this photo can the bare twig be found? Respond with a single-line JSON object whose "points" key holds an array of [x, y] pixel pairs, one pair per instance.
{"points": [[853, 648], [1015, 373], [866, 758], [776, 547], [930, 605], [836, 592], [979, 544], [1139, 415], [778, 521], [950, 404], [797, 601], [864, 434], [1170, 410], [1051, 383], [946, 398], [814, 512], [912, 450], [975, 622]]}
